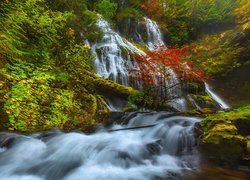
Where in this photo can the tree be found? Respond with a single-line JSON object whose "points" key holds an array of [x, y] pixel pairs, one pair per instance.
{"points": [[154, 9], [107, 8], [158, 66], [243, 15]]}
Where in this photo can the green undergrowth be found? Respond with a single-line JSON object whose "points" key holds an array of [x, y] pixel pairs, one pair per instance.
{"points": [[219, 54], [46, 71], [40, 98]]}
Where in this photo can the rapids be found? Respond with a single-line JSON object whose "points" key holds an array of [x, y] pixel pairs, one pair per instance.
{"points": [[165, 150]]}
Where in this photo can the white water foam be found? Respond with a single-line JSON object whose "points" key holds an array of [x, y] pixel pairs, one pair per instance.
{"points": [[164, 151]]}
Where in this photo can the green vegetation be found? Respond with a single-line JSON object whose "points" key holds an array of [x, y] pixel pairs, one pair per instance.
{"points": [[219, 54], [183, 20], [142, 99], [46, 74], [107, 8]]}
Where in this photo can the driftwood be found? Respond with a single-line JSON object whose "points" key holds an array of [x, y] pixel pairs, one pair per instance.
{"points": [[132, 128]]}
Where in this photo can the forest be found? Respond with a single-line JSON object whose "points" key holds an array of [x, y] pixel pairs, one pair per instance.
{"points": [[129, 89]]}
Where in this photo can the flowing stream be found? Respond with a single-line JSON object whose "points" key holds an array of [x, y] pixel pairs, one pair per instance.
{"points": [[165, 148]]}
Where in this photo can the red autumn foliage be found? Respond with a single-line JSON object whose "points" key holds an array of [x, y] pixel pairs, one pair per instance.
{"points": [[156, 66], [153, 9]]}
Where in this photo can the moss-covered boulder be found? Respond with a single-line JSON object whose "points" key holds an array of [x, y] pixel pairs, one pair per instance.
{"points": [[204, 101], [248, 146], [223, 144], [198, 112], [226, 135]]}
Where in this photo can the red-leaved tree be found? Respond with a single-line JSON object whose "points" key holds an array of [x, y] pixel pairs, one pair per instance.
{"points": [[158, 66]]}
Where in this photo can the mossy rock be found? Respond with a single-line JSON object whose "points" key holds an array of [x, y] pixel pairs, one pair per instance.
{"points": [[199, 112], [221, 132], [248, 146], [227, 152], [204, 101], [107, 87], [226, 135], [129, 107], [243, 126], [222, 143], [239, 117]]}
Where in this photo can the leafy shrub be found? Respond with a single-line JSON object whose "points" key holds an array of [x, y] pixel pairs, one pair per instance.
{"points": [[107, 8], [32, 103], [128, 12], [142, 99]]}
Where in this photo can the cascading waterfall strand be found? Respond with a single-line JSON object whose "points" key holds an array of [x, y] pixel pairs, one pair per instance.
{"points": [[112, 54]]}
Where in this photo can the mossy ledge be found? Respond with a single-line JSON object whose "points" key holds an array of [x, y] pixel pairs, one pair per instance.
{"points": [[225, 137]]}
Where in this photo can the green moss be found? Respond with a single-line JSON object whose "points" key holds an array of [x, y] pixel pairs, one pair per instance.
{"points": [[37, 98], [240, 113], [142, 47], [199, 112], [226, 134], [232, 117], [221, 132], [248, 146], [142, 99], [129, 107], [105, 86], [204, 101]]}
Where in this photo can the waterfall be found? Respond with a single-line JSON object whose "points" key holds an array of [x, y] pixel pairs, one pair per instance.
{"points": [[154, 36], [165, 151], [112, 59], [215, 97]]}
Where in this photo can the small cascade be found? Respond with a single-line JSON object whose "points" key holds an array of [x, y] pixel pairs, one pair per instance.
{"points": [[166, 150], [174, 92], [154, 35], [216, 98], [112, 59]]}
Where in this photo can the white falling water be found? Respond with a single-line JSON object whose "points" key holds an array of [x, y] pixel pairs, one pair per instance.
{"points": [[194, 102], [164, 151], [221, 103], [112, 54], [154, 38]]}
